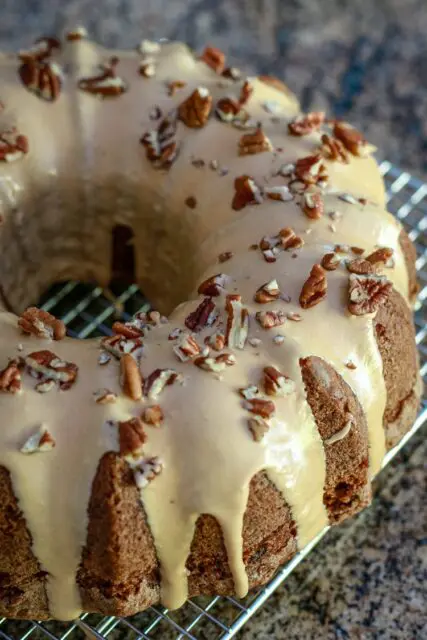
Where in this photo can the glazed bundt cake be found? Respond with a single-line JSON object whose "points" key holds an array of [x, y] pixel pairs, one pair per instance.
{"points": [[192, 455]]}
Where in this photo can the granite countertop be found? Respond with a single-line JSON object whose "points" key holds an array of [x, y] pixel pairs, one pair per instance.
{"points": [[366, 62]]}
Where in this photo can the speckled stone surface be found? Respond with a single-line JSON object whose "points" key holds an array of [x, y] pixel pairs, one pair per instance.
{"points": [[367, 62]]}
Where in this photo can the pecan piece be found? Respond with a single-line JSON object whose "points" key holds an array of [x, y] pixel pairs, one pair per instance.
{"points": [[276, 383], [330, 261], [255, 142], [250, 392], [213, 286], [10, 378], [333, 149], [246, 192], [160, 144], [267, 292], [186, 347], [132, 437], [360, 266], [45, 365], [153, 415], [216, 341], [204, 316], [237, 322], [303, 125], [312, 205], [227, 109], [173, 86], [79, 33], [194, 111], [13, 145], [270, 319], [130, 377], [311, 169], [245, 92], [263, 408], [366, 293], [158, 380], [214, 58], [280, 192], [381, 256], [258, 427], [147, 68], [216, 364], [41, 324], [40, 441], [314, 289], [351, 139], [289, 239], [43, 78], [107, 83], [128, 330], [146, 470]]}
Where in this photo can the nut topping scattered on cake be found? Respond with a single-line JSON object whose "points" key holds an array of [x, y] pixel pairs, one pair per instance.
{"points": [[194, 111], [237, 322], [107, 83], [42, 77], [213, 286], [13, 145], [311, 169], [246, 192], [214, 58], [270, 319], [258, 427], [205, 315], [10, 378], [250, 392], [312, 205], [160, 144], [314, 288], [186, 347], [215, 364], [42, 324], [40, 441], [305, 124], [132, 437], [333, 149], [45, 365], [330, 261], [267, 292], [153, 415], [260, 407], [144, 471], [252, 143], [367, 293], [130, 377], [276, 383], [158, 380], [352, 139]]}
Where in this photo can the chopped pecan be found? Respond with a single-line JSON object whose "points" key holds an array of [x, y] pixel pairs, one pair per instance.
{"points": [[330, 261], [107, 83], [13, 145], [160, 144], [227, 109], [246, 192], [216, 341], [312, 205], [314, 288], [153, 415], [280, 192], [147, 68], [194, 111], [270, 319], [237, 322], [10, 378], [127, 330], [303, 125], [204, 316], [213, 286], [357, 250], [267, 292], [130, 377], [255, 142], [132, 437], [233, 73], [146, 470], [214, 58], [350, 138], [41, 324], [276, 383], [40, 441], [245, 92], [289, 239], [250, 392], [360, 266], [258, 427], [225, 256], [44, 78], [366, 293], [173, 86], [263, 408], [333, 149], [216, 364], [311, 169], [118, 345], [45, 365], [76, 34], [186, 347], [104, 396], [158, 380], [381, 256]]}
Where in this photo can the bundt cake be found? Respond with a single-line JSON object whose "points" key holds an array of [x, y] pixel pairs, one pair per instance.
{"points": [[192, 455]]}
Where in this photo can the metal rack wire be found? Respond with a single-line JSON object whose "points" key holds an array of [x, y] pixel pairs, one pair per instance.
{"points": [[88, 313]]}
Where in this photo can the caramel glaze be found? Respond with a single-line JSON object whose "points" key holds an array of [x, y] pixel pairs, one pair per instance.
{"points": [[86, 172]]}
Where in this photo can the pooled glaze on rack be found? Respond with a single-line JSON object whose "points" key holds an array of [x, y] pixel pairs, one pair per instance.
{"points": [[91, 173]]}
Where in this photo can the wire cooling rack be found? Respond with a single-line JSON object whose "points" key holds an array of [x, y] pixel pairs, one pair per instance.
{"points": [[88, 313]]}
